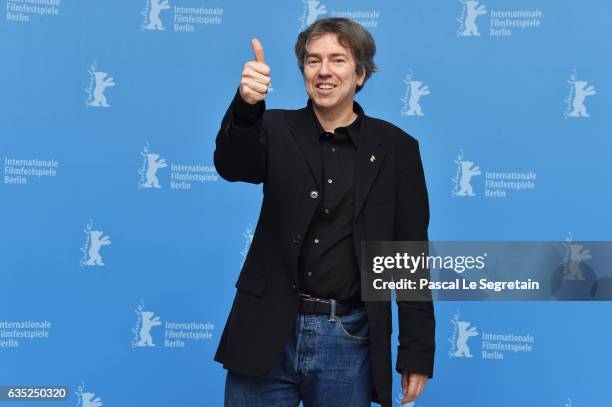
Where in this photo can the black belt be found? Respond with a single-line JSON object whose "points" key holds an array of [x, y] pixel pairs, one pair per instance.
{"points": [[313, 305]]}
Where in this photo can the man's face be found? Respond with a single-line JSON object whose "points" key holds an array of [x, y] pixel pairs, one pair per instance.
{"points": [[329, 72]]}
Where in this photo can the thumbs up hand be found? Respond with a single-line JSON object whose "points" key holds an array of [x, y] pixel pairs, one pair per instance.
{"points": [[255, 78]]}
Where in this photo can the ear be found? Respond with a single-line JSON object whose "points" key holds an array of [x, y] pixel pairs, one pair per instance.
{"points": [[361, 77]]}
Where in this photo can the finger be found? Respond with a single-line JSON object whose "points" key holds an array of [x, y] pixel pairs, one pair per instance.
{"points": [[420, 386], [407, 398], [423, 385], [258, 50], [258, 67], [255, 86], [406, 389], [257, 76], [412, 388]]}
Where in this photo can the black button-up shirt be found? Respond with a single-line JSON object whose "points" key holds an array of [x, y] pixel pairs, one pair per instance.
{"points": [[327, 266]]}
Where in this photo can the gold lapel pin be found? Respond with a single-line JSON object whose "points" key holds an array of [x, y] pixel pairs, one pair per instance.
{"points": [[372, 158]]}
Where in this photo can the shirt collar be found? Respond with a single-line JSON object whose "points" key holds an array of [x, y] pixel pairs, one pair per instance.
{"points": [[352, 129]]}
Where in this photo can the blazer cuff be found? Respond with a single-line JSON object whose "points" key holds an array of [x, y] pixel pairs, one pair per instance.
{"points": [[414, 362], [246, 114]]}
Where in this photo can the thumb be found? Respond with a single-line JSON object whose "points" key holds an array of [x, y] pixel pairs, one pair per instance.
{"points": [[258, 50]]}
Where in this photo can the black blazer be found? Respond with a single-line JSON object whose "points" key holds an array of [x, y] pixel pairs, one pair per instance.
{"points": [[282, 151]]}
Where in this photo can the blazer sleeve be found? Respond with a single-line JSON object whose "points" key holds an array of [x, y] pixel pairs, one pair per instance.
{"points": [[416, 318], [241, 145]]}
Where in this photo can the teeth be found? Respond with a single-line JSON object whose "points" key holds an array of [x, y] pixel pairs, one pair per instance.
{"points": [[325, 86]]}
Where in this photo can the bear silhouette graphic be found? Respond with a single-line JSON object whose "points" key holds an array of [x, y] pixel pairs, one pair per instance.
{"points": [[102, 82], [467, 172], [473, 11], [314, 11], [148, 322], [88, 400], [577, 255], [416, 91], [153, 164], [96, 241], [464, 334], [580, 93], [155, 23]]}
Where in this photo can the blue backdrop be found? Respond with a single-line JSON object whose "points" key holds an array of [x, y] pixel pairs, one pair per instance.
{"points": [[121, 244]]}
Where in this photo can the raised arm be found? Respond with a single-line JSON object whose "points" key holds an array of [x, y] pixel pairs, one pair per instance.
{"points": [[240, 153]]}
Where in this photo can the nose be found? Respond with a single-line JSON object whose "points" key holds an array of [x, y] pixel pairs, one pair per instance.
{"points": [[324, 69]]}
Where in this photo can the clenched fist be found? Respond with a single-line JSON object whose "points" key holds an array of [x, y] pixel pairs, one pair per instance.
{"points": [[255, 77]]}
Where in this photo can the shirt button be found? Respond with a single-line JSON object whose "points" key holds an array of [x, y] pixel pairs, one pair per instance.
{"points": [[316, 241], [329, 181], [314, 194], [333, 149], [297, 238], [293, 287], [309, 274], [326, 210]]}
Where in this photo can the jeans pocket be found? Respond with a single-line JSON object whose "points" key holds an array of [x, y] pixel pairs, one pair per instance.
{"points": [[354, 326]]}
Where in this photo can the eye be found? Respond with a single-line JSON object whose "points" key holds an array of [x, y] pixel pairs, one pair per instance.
{"points": [[311, 61], [338, 60]]}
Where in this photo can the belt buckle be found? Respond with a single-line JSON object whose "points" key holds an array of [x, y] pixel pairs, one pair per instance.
{"points": [[308, 297]]}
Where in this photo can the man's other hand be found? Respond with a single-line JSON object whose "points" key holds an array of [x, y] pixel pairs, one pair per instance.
{"points": [[413, 385]]}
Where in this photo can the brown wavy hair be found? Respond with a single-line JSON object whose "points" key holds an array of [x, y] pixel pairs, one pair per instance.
{"points": [[350, 34]]}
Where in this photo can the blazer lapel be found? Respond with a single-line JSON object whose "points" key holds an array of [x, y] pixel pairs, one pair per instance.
{"points": [[368, 161], [303, 130]]}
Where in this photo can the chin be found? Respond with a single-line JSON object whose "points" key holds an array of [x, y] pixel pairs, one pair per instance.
{"points": [[325, 102]]}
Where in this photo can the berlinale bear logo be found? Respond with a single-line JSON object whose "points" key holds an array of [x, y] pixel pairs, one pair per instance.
{"points": [[98, 82], [462, 179], [94, 241], [151, 14], [471, 11], [148, 170], [579, 90], [411, 105], [575, 255], [153, 164], [142, 331], [87, 398], [148, 322], [462, 332], [312, 10]]}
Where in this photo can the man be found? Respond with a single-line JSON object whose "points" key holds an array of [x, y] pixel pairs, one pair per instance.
{"points": [[332, 177]]}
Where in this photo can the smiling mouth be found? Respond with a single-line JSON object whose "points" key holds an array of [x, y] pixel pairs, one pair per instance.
{"points": [[325, 86]]}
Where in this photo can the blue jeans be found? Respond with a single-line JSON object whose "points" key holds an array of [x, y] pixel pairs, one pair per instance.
{"points": [[325, 362]]}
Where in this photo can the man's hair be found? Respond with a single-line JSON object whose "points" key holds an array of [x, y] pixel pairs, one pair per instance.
{"points": [[350, 35]]}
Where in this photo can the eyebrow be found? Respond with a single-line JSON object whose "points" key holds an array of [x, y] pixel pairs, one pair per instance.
{"points": [[336, 54]]}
